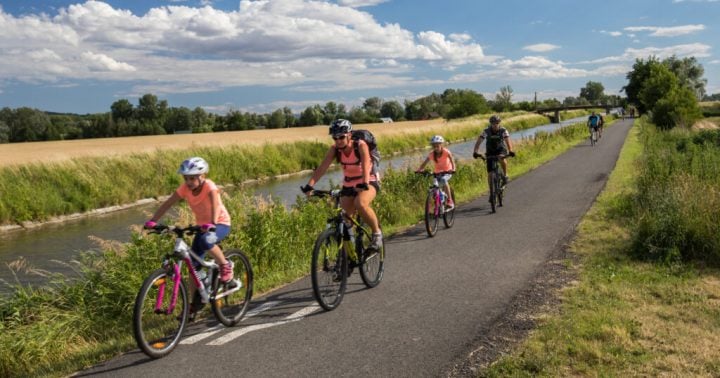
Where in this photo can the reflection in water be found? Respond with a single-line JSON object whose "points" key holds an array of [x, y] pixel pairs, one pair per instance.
{"points": [[63, 242]]}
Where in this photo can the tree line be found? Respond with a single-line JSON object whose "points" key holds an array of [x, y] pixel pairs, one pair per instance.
{"points": [[151, 116]]}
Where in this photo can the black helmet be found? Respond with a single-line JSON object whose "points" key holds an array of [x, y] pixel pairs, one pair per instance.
{"points": [[340, 126], [495, 119]]}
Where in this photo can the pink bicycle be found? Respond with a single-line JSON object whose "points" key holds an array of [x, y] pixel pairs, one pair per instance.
{"points": [[161, 305], [436, 205]]}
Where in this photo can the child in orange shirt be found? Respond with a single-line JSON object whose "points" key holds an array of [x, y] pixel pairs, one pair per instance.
{"points": [[204, 199], [444, 166]]}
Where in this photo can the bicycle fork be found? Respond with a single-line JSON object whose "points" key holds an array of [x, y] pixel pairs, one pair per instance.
{"points": [[161, 292]]}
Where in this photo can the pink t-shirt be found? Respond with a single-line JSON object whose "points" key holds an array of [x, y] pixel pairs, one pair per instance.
{"points": [[201, 204], [443, 163]]}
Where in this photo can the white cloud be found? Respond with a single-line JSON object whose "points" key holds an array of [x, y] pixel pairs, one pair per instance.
{"points": [[672, 31], [541, 47], [360, 3], [716, 61], [612, 33], [697, 50], [182, 48], [695, 1]]}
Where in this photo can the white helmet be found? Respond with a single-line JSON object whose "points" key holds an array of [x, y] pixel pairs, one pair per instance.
{"points": [[437, 139], [193, 166]]}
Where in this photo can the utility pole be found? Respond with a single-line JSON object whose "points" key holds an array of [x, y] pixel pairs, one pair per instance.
{"points": [[536, 100]]}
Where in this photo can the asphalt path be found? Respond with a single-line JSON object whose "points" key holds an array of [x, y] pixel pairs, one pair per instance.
{"points": [[437, 296]]}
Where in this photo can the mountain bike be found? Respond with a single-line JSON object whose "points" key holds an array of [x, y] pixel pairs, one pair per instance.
{"points": [[436, 205], [593, 136], [495, 173], [161, 305], [338, 250]]}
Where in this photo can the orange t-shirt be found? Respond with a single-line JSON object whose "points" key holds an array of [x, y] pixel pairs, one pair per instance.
{"points": [[201, 205], [443, 163]]}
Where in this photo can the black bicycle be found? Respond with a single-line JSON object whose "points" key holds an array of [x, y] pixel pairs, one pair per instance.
{"points": [[436, 205], [338, 250], [496, 175]]}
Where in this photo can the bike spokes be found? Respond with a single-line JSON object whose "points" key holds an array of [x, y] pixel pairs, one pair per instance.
{"points": [[329, 270], [432, 213], [372, 263], [160, 314], [232, 298]]}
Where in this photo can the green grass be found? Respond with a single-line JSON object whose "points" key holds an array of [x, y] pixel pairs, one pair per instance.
{"points": [[624, 316], [73, 323]]}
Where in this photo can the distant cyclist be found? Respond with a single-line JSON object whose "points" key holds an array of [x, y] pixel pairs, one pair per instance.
{"points": [[360, 184], [600, 125], [444, 166], [498, 143], [594, 122]]}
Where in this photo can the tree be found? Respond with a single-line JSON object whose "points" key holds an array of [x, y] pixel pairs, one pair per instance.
{"points": [[660, 82], [4, 132], [178, 119], [148, 108], [689, 74], [463, 103], [289, 117], [330, 112], [200, 122], [392, 109], [121, 109], [677, 108], [276, 120], [503, 100], [28, 125], [372, 107], [636, 78], [311, 116], [593, 92]]}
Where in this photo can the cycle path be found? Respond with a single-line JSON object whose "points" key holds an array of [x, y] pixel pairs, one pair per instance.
{"points": [[438, 294]]}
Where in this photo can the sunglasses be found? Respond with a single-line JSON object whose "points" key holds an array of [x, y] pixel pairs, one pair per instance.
{"points": [[338, 137]]}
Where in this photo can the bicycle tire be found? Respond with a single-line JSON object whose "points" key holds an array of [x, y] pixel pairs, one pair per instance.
{"points": [[329, 269], [493, 190], [431, 219], [372, 265], [157, 333], [592, 138], [230, 308], [449, 215]]}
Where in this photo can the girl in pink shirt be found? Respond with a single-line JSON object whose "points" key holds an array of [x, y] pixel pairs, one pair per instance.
{"points": [[444, 166], [204, 200]]}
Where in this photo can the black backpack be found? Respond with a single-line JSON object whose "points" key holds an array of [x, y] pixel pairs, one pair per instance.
{"points": [[369, 139]]}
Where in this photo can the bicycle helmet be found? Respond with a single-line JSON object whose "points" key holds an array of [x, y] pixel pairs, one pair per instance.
{"points": [[495, 119], [340, 126], [437, 139], [193, 166]]}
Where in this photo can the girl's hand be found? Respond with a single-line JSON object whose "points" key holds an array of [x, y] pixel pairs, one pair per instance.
{"points": [[150, 224]]}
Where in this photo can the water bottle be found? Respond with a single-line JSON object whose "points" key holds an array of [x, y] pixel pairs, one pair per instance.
{"points": [[442, 197], [204, 282]]}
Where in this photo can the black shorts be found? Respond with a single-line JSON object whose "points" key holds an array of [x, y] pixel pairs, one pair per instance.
{"points": [[349, 191]]}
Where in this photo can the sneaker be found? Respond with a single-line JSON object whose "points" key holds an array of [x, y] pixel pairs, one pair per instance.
{"points": [[226, 272], [449, 204], [376, 242]]}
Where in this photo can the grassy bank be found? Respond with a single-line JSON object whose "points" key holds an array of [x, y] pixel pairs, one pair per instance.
{"points": [[646, 302], [39, 191], [73, 323]]}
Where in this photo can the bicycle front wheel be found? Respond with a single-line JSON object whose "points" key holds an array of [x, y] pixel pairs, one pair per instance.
{"points": [[432, 213], [449, 215], [232, 298], [329, 269], [493, 190], [157, 322], [372, 264]]}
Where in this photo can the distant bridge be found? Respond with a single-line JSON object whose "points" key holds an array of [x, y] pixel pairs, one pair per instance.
{"points": [[557, 109]]}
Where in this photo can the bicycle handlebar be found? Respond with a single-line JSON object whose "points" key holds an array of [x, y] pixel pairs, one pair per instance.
{"points": [[179, 231], [428, 174], [492, 157], [325, 193]]}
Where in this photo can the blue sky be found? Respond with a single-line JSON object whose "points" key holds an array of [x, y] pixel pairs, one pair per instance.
{"points": [[257, 56]]}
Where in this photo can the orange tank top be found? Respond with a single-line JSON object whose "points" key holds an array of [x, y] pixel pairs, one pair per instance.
{"points": [[442, 163], [352, 167]]}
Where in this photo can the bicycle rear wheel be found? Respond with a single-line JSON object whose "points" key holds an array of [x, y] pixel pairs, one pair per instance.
{"points": [[157, 327], [372, 264], [232, 298], [329, 269], [449, 215], [593, 138], [432, 213]]}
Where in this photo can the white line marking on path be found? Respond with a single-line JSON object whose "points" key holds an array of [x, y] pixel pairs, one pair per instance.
{"points": [[213, 330], [298, 315]]}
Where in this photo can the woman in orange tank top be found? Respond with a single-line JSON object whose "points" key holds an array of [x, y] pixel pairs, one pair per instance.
{"points": [[360, 184]]}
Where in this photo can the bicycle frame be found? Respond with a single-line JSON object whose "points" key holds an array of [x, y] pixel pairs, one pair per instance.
{"points": [[338, 221], [182, 253]]}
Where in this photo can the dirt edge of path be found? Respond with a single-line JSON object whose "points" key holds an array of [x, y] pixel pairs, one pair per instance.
{"points": [[542, 296]]}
